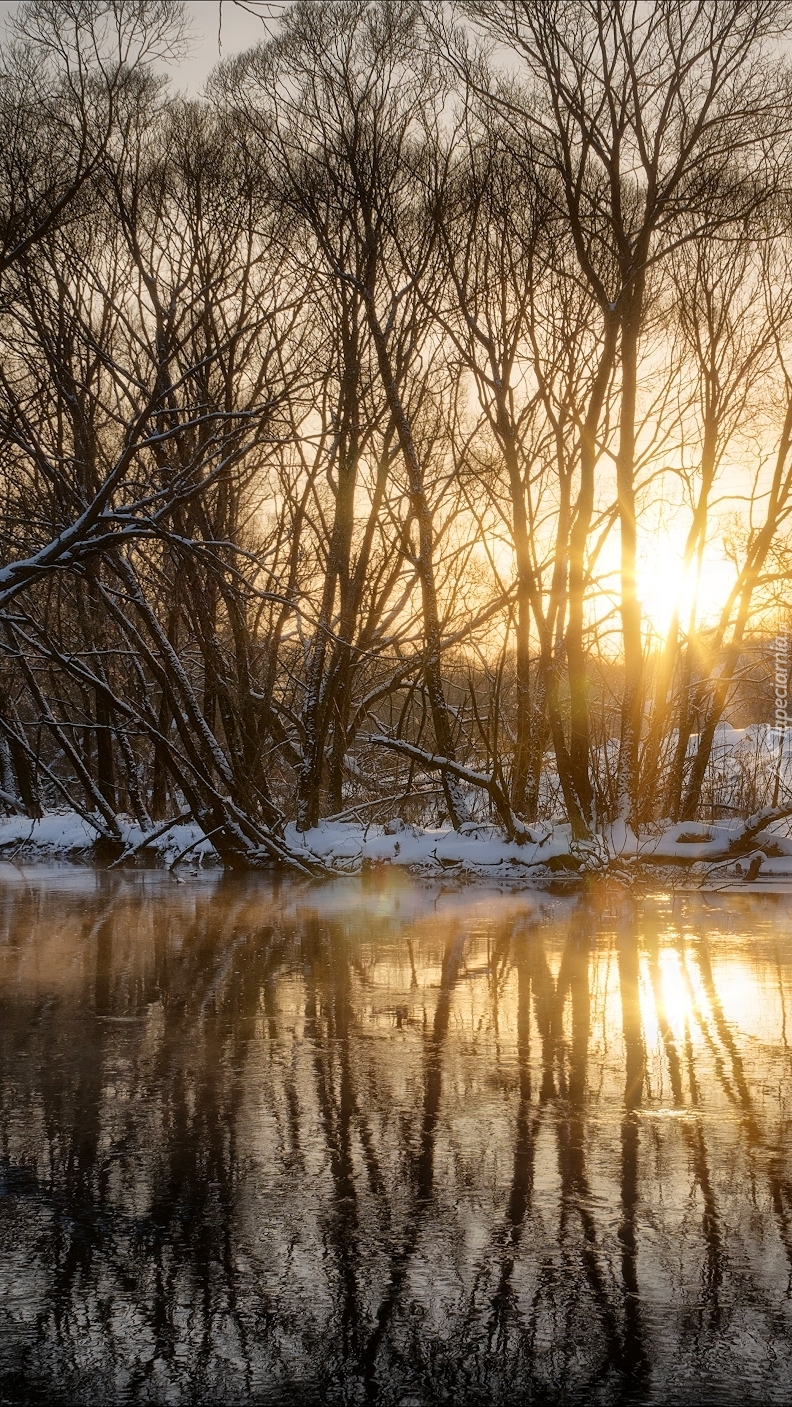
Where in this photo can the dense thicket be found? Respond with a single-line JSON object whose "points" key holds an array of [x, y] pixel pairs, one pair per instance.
{"points": [[345, 410]]}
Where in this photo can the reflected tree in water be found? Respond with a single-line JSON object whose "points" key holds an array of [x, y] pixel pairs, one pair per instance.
{"points": [[251, 1151]]}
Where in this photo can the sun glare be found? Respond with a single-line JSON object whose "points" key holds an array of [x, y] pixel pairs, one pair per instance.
{"points": [[664, 587]]}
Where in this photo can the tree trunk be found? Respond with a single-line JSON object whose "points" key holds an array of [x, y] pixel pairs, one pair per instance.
{"points": [[632, 698], [577, 664], [441, 722]]}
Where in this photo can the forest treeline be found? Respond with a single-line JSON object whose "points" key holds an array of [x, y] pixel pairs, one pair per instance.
{"points": [[342, 408]]}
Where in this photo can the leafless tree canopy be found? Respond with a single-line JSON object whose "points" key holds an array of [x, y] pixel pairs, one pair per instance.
{"points": [[404, 428]]}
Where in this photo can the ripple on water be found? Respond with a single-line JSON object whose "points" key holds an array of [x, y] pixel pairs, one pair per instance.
{"points": [[374, 1142]]}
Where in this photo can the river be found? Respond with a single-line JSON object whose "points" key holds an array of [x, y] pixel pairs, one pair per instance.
{"points": [[371, 1141]]}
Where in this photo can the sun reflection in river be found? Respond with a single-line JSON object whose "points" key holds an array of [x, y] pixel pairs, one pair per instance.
{"points": [[347, 1140]]}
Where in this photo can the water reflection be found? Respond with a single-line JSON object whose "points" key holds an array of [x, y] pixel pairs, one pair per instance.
{"points": [[386, 1145]]}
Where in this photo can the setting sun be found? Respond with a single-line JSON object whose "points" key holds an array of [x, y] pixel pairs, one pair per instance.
{"points": [[664, 587], [395, 722]]}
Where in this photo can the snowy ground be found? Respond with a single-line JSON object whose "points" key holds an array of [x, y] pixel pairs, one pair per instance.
{"points": [[478, 852], [65, 835], [481, 851]]}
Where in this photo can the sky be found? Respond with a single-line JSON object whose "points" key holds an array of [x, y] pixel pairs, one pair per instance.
{"points": [[240, 29], [222, 28]]}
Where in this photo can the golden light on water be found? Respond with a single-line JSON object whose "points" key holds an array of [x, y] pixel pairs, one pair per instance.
{"points": [[497, 1104], [676, 996]]}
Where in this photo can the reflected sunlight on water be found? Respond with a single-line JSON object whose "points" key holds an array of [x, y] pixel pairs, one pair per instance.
{"points": [[380, 1143]]}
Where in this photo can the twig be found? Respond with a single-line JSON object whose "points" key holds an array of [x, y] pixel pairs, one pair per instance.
{"points": [[150, 837], [203, 836], [384, 801]]}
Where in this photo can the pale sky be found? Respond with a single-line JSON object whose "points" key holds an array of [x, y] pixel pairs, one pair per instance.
{"points": [[240, 30]]}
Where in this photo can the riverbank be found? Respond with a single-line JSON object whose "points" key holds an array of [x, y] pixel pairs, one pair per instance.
{"points": [[680, 857]]}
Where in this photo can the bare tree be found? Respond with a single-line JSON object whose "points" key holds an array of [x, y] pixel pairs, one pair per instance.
{"points": [[639, 112]]}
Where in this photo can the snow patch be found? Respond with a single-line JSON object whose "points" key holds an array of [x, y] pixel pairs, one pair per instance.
{"points": [[476, 849], [339, 848], [65, 833]]}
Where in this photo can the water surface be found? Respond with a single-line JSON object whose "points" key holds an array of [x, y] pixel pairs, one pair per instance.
{"points": [[379, 1143]]}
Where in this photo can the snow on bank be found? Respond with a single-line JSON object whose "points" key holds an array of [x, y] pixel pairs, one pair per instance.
{"points": [[476, 849], [65, 834], [347, 848], [341, 848]]}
